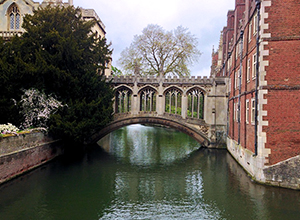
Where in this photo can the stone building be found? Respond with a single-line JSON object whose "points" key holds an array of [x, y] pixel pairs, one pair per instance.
{"points": [[259, 50], [13, 11]]}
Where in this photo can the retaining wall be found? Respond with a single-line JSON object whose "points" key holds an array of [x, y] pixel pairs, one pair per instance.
{"points": [[19, 154]]}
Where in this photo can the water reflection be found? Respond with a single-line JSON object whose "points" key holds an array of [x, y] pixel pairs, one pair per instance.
{"points": [[205, 184], [144, 145]]}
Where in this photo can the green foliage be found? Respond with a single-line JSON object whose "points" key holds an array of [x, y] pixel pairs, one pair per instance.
{"points": [[58, 54], [157, 51], [115, 71], [173, 110]]}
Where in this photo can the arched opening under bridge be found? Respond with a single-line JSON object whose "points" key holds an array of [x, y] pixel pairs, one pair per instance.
{"points": [[182, 127]]}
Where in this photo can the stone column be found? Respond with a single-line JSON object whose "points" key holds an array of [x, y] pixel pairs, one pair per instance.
{"points": [[184, 102]]}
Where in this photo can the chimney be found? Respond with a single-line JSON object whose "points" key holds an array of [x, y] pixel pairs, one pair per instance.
{"points": [[71, 2]]}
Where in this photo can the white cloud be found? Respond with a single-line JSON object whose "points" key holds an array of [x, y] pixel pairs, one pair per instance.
{"points": [[125, 18]]}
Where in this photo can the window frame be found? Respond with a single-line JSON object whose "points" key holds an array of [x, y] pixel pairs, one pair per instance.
{"points": [[247, 111], [254, 63], [252, 111]]}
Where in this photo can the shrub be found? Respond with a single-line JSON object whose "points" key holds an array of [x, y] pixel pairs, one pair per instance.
{"points": [[8, 129]]}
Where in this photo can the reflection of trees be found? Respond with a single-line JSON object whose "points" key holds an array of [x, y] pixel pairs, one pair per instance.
{"points": [[145, 145], [208, 184]]}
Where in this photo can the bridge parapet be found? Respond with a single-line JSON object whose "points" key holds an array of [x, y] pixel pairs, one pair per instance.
{"points": [[164, 80]]}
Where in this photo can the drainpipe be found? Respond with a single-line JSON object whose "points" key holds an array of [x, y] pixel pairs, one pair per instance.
{"points": [[240, 88], [257, 80]]}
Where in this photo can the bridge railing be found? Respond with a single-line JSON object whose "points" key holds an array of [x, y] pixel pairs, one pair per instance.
{"points": [[165, 80]]}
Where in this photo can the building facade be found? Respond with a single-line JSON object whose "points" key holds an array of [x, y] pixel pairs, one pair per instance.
{"points": [[259, 51], [13, 11]]}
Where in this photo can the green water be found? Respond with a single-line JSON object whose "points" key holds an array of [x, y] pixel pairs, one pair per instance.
{"points": [[148, 173]]}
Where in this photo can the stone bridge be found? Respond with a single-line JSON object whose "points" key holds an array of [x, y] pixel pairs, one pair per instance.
{"points": [[194, 105]]}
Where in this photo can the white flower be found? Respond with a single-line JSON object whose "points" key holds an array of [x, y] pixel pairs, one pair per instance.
{"points": [[37, 108]]}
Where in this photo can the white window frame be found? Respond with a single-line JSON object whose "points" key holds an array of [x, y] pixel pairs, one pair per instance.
{"points": [[255, 24], [252, 111], [248, 70], [241, 71], [247, 111], [254, 63], [236, 74], [237, 112], [250, 31]]}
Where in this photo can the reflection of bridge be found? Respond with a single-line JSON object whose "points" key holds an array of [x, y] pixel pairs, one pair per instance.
{"points": [[195, 106]]}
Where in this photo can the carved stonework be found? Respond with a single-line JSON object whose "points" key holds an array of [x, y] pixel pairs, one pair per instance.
{"points": [[204, 129]]}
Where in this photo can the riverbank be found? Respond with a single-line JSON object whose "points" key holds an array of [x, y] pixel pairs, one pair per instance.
{"points": [[20, 154]]}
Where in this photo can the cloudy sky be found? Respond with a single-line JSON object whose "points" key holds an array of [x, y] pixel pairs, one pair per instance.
{"points": [[125, 18]]}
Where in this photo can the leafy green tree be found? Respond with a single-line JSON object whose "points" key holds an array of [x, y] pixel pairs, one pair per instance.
{"points": [[58, 54], [11, 70], [157, 51]]}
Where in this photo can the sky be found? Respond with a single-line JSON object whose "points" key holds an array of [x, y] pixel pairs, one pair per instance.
{"points": [[124, 19]]}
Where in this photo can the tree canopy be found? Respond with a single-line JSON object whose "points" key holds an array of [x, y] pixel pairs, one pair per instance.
{"points": [[58, 54], [157, 51]]}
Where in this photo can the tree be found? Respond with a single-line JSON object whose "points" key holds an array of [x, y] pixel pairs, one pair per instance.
{"points": [[115, 71], [157, 51], [36, 107], [58, 54]]}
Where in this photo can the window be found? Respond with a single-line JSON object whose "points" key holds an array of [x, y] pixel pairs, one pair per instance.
{"points": [[14, 17], [254, 63], [250, 31], [236, 80], [248, 70], [247, 111], [255, 24], [237, 113], [252, 111], [234, 111], [195, 103], [241, 74], [173, 101], [237, 50]]}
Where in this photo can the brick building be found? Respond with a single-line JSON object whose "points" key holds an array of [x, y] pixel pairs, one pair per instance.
{"points": [[260, 50]]}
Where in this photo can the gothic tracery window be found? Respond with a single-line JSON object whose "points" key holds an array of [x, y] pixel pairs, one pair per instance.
{"points": [[123, 100], [173, 101], [148, 100], [14, 17], [195, 103]]}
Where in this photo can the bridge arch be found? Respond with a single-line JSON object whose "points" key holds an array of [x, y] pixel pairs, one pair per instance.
{"points": [[154, 120]]}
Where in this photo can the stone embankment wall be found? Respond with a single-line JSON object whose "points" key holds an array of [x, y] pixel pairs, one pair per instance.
{"points": [[19, 154], [284, 174]]}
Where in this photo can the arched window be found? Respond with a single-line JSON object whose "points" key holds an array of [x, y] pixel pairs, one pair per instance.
{"points": [[14, 17], [123, 100], [173, 101], [195, 103], [148, 100]]}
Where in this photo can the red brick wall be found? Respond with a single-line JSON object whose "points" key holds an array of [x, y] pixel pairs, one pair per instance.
{"points": [[283, 80], [18, 162], [283, 132]]}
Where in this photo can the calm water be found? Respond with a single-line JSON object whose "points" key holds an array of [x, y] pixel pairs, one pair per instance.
{"points": [[149, 173]]}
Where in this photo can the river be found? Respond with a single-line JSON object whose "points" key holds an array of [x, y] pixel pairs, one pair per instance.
{"points": [[145, 173]]}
